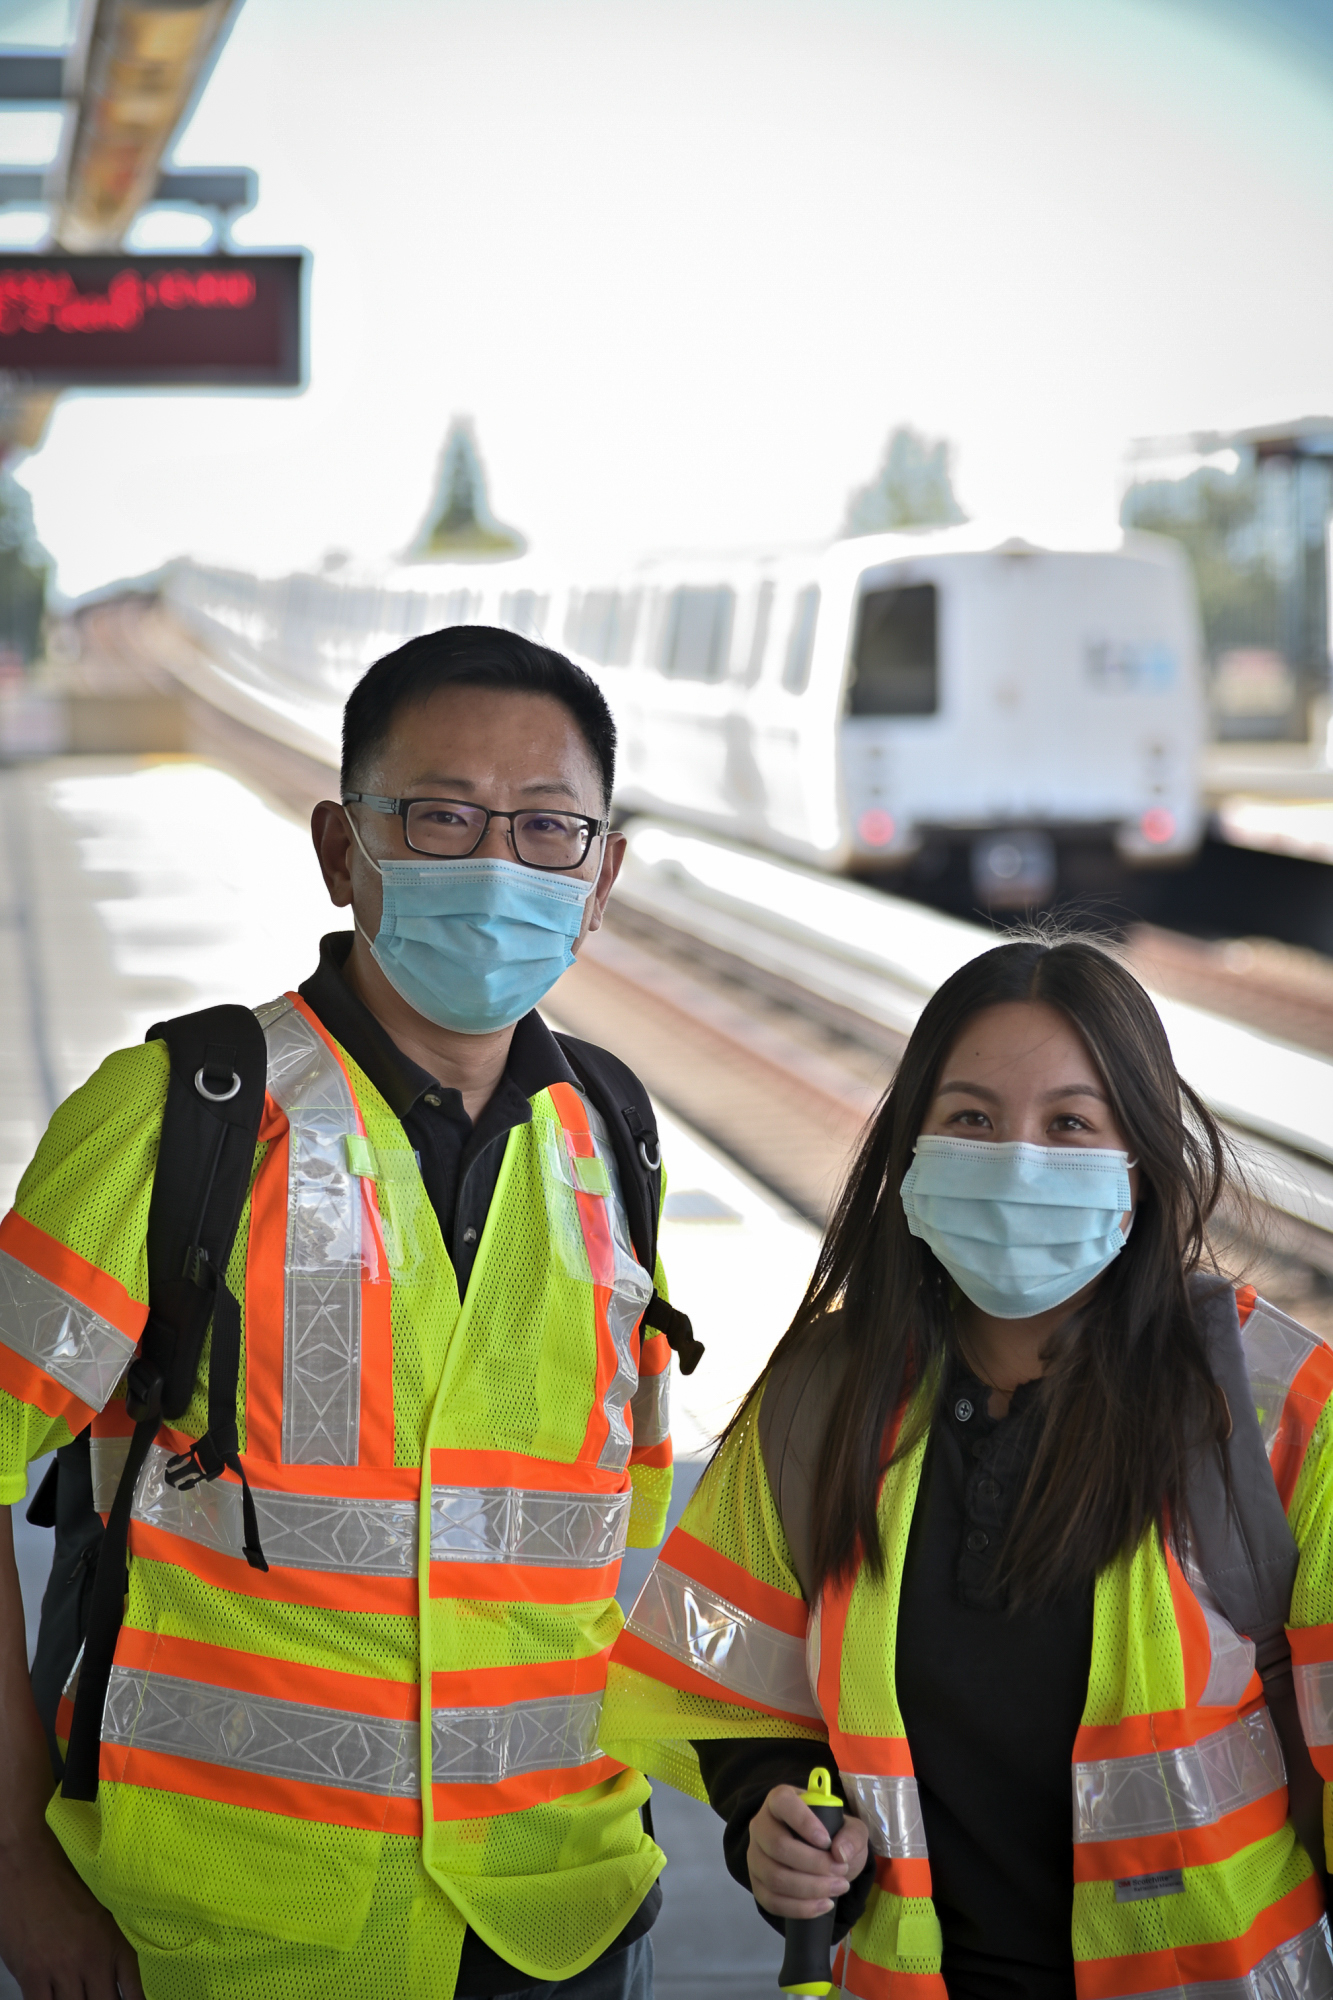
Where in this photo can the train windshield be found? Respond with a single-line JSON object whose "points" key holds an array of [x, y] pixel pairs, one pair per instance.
{"points": [[895, 658]]}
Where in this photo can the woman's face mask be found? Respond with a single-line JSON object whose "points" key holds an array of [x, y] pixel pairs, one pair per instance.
{"points": [[1021, 1182], [1018, 1228]]}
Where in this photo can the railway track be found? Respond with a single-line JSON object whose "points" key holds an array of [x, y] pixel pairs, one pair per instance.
{"points": [[776, 1038]]}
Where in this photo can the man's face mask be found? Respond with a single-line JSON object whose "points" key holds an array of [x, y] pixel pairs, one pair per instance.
{"points": [[474, 944]]}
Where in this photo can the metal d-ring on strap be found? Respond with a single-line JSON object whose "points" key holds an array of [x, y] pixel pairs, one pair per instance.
{"points": [[216, 1096], [653, 1164]]}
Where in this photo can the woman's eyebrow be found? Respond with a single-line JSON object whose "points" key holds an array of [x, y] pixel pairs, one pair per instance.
{"points": [[969, 1089], [1076, 1090]]}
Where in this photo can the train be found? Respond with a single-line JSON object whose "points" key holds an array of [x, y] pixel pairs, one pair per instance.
{"points": [[849, 707]]}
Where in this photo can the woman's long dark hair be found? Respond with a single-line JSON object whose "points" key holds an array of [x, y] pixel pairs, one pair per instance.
{"points": [[1128, 1393]]}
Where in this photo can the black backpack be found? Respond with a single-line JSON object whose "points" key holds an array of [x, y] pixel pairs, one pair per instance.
{"points": [[215, 1101]]}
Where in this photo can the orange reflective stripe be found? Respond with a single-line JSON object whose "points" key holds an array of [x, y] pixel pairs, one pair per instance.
{"points": [[903, 1876], [27, 1383], [520, 1583], [652, 1454], [877, 1756], [1185, 1847], [536, 1788], [449, 1467], [655, 1354], [876, 1982], [1309, 1392], [1310, 1644], [375, 1432], [1156, 1971], [596, 1227], [266, 1256], [97, 1290], [1246, 1297], [491, 1687], [1144, 1735], [254, 1673], [647, 1659], [683, 1551], [316, 1590], [331, 1805]]}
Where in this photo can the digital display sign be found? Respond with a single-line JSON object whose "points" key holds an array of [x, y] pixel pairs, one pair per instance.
{"points": [[119, 322]]}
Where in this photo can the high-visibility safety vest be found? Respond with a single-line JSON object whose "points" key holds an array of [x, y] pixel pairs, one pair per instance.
{"points": [[1188, 1878], [444, 1492]]}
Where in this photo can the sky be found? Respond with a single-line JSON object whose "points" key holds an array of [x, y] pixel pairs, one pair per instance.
{"points": [[686, 265]]}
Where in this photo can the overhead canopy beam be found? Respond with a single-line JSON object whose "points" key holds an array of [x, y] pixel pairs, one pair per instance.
{"points": [[145, 66], [230, 189], [32, 78]]}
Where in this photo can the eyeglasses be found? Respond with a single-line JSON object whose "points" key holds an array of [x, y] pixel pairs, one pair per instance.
{"points": [[454, 828]]}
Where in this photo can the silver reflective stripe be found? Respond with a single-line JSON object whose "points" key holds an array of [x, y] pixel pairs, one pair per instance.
{"points": [[1300, 1969], [495, 1524], [1230, 1655], [321, 1387], [650, 1407], [705, 1632], [631, 1289], [297, 1530], [1129, 1798], [483, 1746], [107, 1457], [66, 1340], [1314, 1699], [262, 1735], [891, 1810], [1275, 1349]]}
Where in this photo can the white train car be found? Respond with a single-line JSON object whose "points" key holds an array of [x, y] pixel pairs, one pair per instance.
{"points": [[844, 707]]}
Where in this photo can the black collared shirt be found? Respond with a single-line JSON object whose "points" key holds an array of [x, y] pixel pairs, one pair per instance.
{"points": [[460, 1165], [459, 1160]]}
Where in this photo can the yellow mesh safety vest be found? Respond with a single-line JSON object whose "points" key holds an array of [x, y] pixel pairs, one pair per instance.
{"points": [[444, 1492], [1188, 1875]]}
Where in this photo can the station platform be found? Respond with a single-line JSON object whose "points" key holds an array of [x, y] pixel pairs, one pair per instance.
{"points": [[134, 888]]}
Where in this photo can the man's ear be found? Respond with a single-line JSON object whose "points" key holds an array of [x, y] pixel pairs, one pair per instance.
{"points": [[612, 857], [333, 848]]}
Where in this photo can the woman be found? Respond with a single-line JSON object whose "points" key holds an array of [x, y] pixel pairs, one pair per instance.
{"points": [[971, 1530]]}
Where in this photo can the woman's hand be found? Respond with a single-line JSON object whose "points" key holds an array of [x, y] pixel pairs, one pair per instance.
{"points": [[795, 1871]]}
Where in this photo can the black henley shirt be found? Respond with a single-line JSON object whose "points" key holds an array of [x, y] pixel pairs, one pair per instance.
{"points": [[991, 1701]]}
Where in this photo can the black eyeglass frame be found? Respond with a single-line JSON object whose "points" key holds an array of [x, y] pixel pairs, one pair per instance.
{"points": [[399, 808]]}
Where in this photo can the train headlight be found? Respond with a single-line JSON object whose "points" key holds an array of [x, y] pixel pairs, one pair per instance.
{"points": [[875, 827], [1158, 825]]}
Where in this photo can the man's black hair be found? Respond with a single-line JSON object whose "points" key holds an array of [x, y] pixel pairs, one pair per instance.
{"points": [[481, 656]]}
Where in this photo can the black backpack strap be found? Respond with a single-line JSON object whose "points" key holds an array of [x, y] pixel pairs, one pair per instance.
{"points": [[628, 1111], [215, 1101]]}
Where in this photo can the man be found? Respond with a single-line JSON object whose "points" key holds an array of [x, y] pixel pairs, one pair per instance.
{"points": [[440, 1304]]}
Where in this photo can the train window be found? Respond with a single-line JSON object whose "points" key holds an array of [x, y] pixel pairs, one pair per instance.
{"points": [[696, 636], [623, 627], [753, 665], [801, 640], [896, 657], [522, 611]]}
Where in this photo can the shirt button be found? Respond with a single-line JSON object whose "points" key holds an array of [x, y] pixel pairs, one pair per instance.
{"points": [[432, 1099], [988, 1489], [962, 1409], [469, 1235], [977, 1540]]}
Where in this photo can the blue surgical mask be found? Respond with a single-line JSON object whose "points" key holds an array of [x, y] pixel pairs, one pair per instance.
{"points": [[1018, 1228], [475, 944]]}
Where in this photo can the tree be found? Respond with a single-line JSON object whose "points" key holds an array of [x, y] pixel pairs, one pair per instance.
{"points": [[912, 489], [459, 525], [1221, 519], [24, 573]]}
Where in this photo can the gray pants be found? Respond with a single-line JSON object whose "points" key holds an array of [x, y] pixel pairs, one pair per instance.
{"points": [[621, 1975]]}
